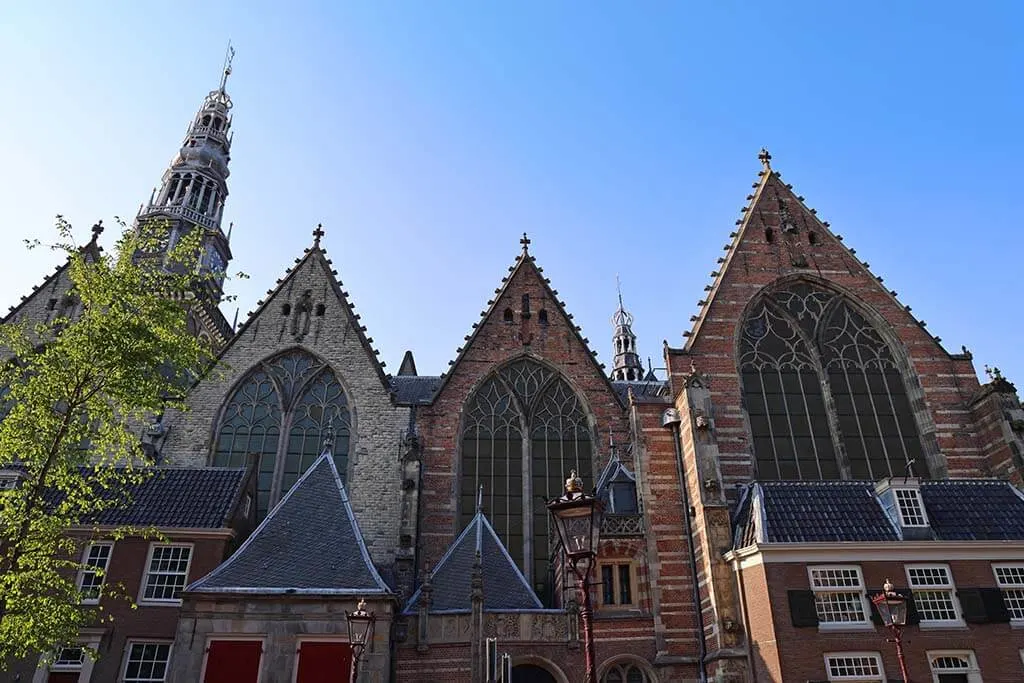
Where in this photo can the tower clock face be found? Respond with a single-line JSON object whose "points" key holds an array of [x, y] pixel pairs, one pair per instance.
{"points": [[217, 262]]}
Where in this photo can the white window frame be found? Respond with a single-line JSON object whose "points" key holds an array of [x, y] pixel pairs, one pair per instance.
{"points": [[68, 665], [972, 670], [262, 640], [949, 587], [43, 668], [1014, 586], [86, 553], [860, 590], [870, 678], [917, 500], [143, 600], [132, 642]]}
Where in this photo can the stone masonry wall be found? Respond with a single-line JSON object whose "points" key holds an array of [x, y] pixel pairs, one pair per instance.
{"points": [[374, 474]]}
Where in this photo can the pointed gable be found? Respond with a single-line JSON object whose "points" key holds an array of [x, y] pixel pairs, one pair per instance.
{"points": [[526, 316], [505, 587], [295, 311], [310, 543], [779, 236]]}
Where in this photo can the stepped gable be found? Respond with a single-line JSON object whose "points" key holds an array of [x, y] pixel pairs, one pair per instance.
{"points": [[309, 544], [505, 587]]}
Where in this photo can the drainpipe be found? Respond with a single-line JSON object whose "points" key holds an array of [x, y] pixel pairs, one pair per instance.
{"points": [[671, 418]]}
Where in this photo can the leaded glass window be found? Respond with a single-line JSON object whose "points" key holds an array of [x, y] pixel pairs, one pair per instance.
{"points": [[524, 430], [816, 374], [280, 412]]}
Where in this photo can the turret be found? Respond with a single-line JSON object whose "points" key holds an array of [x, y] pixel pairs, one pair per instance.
{"points": [[626, 365]]}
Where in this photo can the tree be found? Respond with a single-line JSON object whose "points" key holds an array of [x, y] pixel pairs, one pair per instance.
{"points": [[77, 390]]}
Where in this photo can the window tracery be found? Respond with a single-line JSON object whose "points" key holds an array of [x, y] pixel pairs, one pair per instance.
{"points": [[816, 375], [626, 673], [281, 412], [524, 430]]}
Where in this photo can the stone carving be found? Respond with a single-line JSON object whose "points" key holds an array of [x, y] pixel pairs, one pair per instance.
{"points": [[302, 315]]}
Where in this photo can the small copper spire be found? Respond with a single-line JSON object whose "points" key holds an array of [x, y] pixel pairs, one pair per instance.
{"points": [[526, 243], [765, 159], [317, 234]]}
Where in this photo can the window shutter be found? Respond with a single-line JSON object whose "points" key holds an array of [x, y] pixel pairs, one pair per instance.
{"points": [[973, 605], [801, 608], [324, 661], [995, 606], [913, 616]]}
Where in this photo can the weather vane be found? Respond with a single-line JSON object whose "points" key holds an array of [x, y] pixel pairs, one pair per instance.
{"points": [[228, 58]]}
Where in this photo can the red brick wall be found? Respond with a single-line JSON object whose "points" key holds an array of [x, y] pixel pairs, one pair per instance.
{"points": [[127, 568], [495, 343], [948, 381], [800, 651]]}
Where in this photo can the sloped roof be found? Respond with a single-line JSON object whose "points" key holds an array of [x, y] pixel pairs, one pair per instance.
{"points": [[172, 498], [91, 249], [644, 391], [309, 544], [505, 587], [414, 390], [838, 511]]}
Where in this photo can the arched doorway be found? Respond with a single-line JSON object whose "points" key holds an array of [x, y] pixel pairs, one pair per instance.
{"points": [[531, 673]]}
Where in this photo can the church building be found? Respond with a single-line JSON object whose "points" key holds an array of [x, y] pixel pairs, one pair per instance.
{"points": [[810, 442]]}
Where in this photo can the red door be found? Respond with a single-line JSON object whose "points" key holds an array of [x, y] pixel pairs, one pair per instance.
{"points": [[233, 661], [324, 662], [63, 677]]}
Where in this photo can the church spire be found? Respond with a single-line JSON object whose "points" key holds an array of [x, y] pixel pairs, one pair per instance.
{"points": [[193, 190], [626, 366]]}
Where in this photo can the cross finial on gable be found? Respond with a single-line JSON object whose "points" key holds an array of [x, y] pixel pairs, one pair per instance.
{"points": [[525, 242], [317, 234], [97, 230], [480, 499], [765, 159], [329, 435]]}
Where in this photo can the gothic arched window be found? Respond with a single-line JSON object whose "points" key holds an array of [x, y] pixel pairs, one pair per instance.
{"points": [[524, 430], [825, 397], [626, 673], [281, 411]]}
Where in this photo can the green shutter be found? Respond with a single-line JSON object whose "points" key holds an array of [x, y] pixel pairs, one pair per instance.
{"points": [[973, 605]]}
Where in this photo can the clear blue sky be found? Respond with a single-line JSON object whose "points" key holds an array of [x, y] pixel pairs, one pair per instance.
{"points": [[427, 136]]}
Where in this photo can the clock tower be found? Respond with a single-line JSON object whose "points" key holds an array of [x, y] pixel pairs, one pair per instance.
{"points": [[191, 197]]}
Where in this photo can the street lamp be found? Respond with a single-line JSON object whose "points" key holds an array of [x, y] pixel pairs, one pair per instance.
{"points": [[577, 518], [360, 633], [892, 608]]}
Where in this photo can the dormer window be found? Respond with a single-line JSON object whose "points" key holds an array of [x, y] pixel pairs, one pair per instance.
{"points": [[910, 507], [8, 483]]}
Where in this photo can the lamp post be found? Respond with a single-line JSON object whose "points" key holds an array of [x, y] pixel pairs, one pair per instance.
{"points": [[360, 633], [577, 518], [892, 608]]}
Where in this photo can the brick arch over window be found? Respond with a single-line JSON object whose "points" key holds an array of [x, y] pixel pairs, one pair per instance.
{"points": [[524, 429], [280, 410], [824, 393]]}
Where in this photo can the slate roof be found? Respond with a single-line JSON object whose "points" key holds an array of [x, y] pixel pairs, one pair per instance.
{"points": [[174, 498], [415, 390], [505, 587], [645, 391], [309, 544], [837, 511]]}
